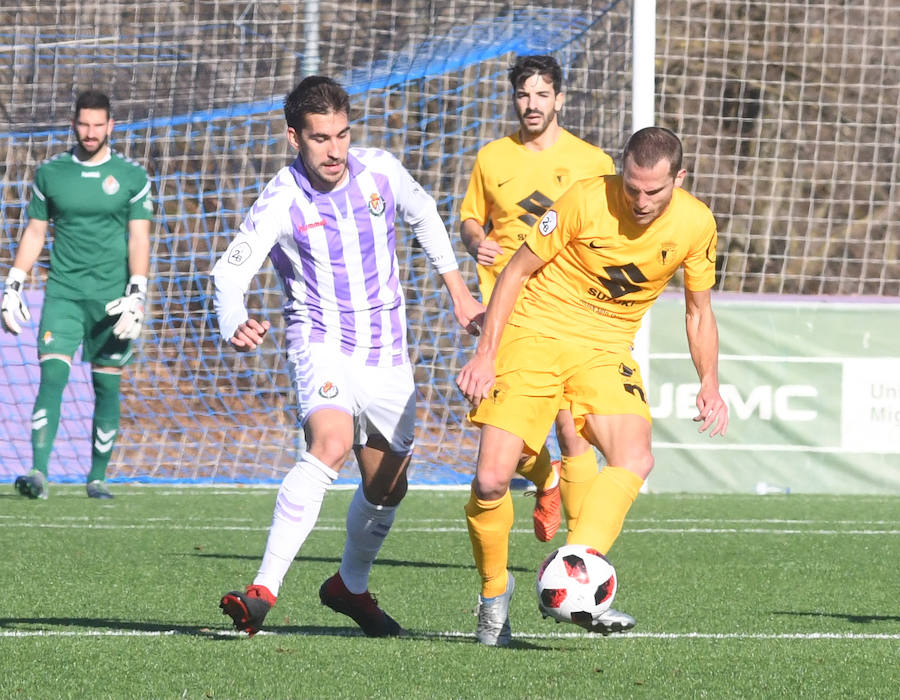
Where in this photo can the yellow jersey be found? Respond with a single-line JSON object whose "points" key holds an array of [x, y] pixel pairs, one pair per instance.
{"points": [[603, 271], [512, 186]]}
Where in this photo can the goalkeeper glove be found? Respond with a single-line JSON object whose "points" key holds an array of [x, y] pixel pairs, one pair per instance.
{"points": [[14, 310], [129, 309]]}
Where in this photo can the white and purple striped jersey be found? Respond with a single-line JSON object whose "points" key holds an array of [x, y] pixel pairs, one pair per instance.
{"points": [[335, 253]]}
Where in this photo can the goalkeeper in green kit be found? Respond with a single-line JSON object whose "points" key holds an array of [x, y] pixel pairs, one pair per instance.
{"points": [[100, 206]]}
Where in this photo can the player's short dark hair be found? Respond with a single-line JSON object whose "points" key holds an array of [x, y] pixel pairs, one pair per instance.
{"points": [[315, 94], [650, 145], [92, 99], [526, 66]]}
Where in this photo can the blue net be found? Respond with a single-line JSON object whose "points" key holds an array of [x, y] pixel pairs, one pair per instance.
{"points": [[430, 86]]}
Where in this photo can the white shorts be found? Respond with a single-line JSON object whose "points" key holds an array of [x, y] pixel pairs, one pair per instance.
{"points": [[382, 400]]}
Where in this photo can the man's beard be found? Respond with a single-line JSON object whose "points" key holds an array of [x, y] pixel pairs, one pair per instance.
{"points": [[90, 153]]}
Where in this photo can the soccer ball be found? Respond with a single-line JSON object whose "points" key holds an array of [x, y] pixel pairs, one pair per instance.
{"points": [[575, 584]]}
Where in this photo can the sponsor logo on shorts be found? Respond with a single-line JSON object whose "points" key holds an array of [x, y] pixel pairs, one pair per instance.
{"points": [[110, 185], [625, 370], [48, 338], [239, 254], [376, 204], [498, 392], [328, 390], [548, 223]]}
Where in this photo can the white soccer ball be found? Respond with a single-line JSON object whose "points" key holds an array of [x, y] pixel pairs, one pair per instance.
{"points": [[575, 584]]}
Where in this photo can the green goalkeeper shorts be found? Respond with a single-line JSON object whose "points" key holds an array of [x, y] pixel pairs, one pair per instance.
{"points": [[66, 324]]}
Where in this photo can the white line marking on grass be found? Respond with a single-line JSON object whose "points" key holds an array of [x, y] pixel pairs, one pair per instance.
{"points": [[410, 529], [682, 635], [463, 635], [231, 519], [750, 531]]}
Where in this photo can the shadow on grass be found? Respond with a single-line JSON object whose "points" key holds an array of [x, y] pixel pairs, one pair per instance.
{"points": [[849, 617], [404, 563], [50, 626]]}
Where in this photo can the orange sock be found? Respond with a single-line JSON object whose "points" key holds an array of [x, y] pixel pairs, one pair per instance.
{"points": [[576, 476], [489, 524], [608, 499]]}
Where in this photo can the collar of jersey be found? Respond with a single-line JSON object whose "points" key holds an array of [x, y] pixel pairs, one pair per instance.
{"points": [[85, 164], [298, 170]]}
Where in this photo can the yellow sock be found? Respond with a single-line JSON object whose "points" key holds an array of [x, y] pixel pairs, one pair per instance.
{"points": [[489, 524], [575, 478], [538, 470], [608, 499]]}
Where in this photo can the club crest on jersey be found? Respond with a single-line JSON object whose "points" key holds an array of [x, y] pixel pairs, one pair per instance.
{"points": [[110, 185], [376, 204], [547, 224], [667, 252], [328, 390]]}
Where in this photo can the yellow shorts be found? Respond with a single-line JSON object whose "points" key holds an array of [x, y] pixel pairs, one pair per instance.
{"points": [[537, 376]]}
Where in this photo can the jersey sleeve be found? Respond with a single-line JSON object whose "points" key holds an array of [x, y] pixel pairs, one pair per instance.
{"points": [[240, 262], [39, 207], [418, 209], [559, 224], [141, 203], [474, 204], [700, 263]]}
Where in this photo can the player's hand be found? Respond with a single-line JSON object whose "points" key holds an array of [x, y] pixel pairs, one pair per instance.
{"points": [[249, 335], [14, 310], [487, 252], [129, 309], [476, 378], [713, 412], [469, 314]]}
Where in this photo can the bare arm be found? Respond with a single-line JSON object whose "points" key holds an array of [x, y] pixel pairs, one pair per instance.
{"points": [[477, 377], [31, 244], [469, 311], [139, 247], [484, 250], [703, 342]]}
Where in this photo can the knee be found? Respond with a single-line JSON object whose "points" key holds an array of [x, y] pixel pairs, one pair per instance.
{"points": [[331, 450], [489, 485], [570, 442], [642, 464], [386, 493]]}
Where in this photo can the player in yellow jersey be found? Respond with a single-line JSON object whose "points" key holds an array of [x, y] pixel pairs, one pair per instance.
{"points": [[515, 180], [587, 273]]}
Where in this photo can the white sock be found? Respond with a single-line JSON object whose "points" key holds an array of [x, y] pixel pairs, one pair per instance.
{"points": [[296, 511], [367, 526]]}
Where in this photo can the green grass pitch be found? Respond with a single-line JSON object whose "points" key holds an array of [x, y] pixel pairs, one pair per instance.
{"points": [[735, 596]]}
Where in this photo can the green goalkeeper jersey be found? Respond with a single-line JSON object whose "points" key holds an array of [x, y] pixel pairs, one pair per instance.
{"points": [[90, 205]]}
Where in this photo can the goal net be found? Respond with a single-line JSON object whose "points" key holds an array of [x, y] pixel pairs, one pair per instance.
{"points": [[790, 115], [197, 90]]}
